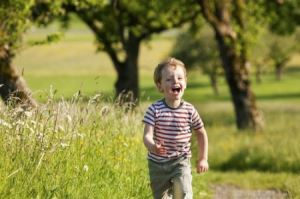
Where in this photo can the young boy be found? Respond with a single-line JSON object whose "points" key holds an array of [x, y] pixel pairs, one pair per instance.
{"points": [[167, 135]]}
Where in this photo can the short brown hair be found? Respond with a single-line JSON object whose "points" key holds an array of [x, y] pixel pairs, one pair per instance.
{"points": [[169, 62]]}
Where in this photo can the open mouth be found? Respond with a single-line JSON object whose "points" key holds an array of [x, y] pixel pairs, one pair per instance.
{"points": [[176, 90]]}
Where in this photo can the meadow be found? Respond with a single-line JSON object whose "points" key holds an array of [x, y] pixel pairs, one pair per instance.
{"points": [[82, 145]]}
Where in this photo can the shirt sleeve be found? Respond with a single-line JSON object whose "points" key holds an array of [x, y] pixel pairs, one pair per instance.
{"points": [[197, 122], [149, 117]]}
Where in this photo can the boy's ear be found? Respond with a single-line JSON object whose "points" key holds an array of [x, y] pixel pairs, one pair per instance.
{"points": [[158, 85]]}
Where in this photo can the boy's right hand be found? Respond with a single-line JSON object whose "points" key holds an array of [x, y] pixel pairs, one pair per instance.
{"points": [[159, 149]]}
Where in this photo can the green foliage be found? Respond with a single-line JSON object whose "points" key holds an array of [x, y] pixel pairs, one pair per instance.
{"points": [[50, 38], [197, 48], [281, 48], [114, 21], [283, 15], [273, 50], [14, 21], [252, 26]]}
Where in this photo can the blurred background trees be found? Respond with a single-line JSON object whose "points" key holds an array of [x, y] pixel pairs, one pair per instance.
{"points": [[120, 27], [236, 25]]}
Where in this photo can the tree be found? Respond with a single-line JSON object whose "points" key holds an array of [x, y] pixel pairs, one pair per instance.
{"points": [[14, 20], [235, 25], [280, 52], [197, 47], [227, 18], [283, 19], [120, 26]]}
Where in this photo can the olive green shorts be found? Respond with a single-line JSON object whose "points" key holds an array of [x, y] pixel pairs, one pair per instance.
{"points": [[171, 179]]}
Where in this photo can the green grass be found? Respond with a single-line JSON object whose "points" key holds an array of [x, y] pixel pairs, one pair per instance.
{"points": [[71, 150], [78, 149], [81, 148], [65, 86]]}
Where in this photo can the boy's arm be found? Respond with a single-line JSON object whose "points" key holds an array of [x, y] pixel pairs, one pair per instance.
{"points": [[202, 164], [149, 142]]}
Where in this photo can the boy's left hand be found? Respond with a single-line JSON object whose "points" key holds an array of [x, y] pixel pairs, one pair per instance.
{"points": [[202, 166]]}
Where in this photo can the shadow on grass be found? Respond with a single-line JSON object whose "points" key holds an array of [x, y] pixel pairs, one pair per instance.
{"points": [[249, 159], [292, 70], [279, 96]]}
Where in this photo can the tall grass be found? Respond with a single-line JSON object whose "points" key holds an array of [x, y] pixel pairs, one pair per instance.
{"points": [[93, 149], [72, 150]]}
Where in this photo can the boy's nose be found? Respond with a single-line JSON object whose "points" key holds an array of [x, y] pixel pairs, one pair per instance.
{"points": [[174, 79]]}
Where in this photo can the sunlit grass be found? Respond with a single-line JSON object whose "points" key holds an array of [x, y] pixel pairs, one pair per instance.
{"points": [[72, 150], [89, 148], [86, 147]]}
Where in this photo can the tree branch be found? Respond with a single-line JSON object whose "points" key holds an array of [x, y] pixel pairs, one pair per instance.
{"points": [[218, 17]]}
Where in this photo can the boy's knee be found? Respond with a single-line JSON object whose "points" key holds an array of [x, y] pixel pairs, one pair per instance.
{"points": [[182, 188]]}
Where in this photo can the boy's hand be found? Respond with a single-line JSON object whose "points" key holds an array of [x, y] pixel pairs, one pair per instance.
{"points": [[202, 166], [159, 149]]}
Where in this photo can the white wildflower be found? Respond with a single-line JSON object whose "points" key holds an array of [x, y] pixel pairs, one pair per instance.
{"points": [[80, 135], [85, 168], [28, 113], [5, 124], [64, 145], [40, 136]]}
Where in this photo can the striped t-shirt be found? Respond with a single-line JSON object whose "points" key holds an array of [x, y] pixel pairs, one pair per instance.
{"points": [[173, 128]]}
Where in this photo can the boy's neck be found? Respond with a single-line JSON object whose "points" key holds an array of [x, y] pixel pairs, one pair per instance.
{"points": [[173, 103]]}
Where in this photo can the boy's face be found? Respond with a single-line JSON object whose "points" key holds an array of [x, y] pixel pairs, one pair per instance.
{"points": [[173, 82]]}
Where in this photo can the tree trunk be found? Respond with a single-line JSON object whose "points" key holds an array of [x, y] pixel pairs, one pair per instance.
{"points": [[13, 89], [127, 84], [258, 73], [214, 83], [278, 70], [237, 78], [235, 64]]}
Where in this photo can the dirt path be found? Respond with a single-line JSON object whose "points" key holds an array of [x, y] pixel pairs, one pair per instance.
{"points": [[231, 192]]}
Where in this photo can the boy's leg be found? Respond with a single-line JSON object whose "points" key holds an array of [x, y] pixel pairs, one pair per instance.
{"points": [[182, 182], [159, 181]]}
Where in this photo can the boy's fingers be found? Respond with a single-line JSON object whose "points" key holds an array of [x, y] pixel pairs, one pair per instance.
{"points": [[159, 144], [202, 169], [159, 148]]}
